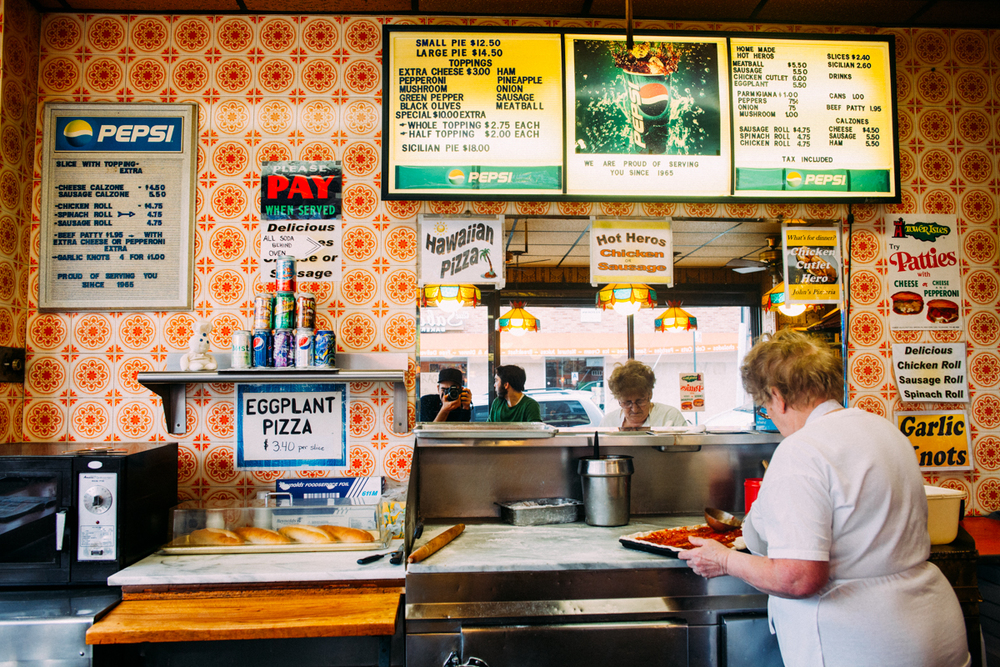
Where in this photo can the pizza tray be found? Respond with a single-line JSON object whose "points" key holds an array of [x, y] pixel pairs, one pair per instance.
{"points": [[632, 541]]}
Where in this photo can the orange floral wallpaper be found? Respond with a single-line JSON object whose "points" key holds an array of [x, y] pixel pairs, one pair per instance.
{"points": [[309, 87]]}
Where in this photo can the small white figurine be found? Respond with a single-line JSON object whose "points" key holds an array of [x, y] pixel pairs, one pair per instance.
{"points": [[198, 357]]}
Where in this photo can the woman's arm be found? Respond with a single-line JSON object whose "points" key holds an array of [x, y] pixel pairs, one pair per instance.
{"points": [[784, 578]]}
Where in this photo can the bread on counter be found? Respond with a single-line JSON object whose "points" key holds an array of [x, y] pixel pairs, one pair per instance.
{"points": [[304, 533], [262, 536], [214, 537], [344, 534]]}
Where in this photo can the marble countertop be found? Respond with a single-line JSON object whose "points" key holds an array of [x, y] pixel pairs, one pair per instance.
{"points": [[497, 547], [159, 570]]}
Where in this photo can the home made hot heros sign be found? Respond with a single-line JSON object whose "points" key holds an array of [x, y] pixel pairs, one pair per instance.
{"points": [[291, 425], [940, 439]]}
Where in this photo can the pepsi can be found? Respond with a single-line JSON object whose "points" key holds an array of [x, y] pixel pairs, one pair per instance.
{"points": [[303, 347], [284, 311], [284, 348], [325, 349], [305, 311], [263, 348], [242, 342], [263, 311], [284, 274]]}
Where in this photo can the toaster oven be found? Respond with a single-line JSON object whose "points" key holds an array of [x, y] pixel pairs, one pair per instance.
{"points": [[75, 513]]}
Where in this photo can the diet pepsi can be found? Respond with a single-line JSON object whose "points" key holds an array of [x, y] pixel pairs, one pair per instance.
{"points": [[284, 274], [325, 349], [242, 342], [284, 310], [263, 348], [284, 348], [263, 311], [305, 311], [303, 347]]}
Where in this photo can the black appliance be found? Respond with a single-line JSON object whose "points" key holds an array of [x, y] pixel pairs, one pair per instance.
{"points": [[76, 513]]}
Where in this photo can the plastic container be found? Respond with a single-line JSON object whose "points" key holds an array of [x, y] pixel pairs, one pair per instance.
{"points": [[607, 489], [944, 509], [751, 487]]}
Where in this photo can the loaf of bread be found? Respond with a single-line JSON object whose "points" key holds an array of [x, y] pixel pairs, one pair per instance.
{"points": [[309, 534], [262, 536], [215, 537], [344, 534]]}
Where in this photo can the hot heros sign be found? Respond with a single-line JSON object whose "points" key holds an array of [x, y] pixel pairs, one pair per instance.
{"points": [[461, 250], [940, 439], [924, 274], [291, 425], [300, 190]]}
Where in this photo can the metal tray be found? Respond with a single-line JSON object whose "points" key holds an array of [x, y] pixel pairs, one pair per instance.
{"points": [[484, 430], [540, 511], [631, 541]]}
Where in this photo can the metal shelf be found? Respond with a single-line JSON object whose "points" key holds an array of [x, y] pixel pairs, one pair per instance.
{"points": [[169, 385]]}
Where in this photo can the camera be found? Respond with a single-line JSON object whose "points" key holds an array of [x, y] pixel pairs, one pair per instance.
{"points": [[454, 392]]}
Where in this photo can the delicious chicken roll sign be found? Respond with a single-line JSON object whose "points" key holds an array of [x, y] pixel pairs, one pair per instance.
{"points": [[483, 113]]}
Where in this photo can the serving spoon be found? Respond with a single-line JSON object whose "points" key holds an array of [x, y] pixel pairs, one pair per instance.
{"points": [[721, 522]]}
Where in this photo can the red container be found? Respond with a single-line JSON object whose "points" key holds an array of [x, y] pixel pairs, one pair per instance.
{"points": [[751, 487]]}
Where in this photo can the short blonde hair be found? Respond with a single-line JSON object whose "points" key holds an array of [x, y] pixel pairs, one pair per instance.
{"points": [[803, 369], [633, 378]]}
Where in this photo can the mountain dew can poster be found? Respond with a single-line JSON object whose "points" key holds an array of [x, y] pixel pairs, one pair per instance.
{"points": [[647, 122], [475, 113]]}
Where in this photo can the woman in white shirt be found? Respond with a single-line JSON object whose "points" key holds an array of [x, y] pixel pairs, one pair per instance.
{"points": [[838, 533], [632, 384]]}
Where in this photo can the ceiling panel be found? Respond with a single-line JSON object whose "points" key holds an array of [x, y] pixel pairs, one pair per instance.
{"points": [[971, 13], [704, 10], [859, 12], [504, 7], [156, 5]]}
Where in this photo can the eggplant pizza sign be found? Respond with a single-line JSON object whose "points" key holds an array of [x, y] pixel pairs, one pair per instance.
{"points": [[291, 426]]}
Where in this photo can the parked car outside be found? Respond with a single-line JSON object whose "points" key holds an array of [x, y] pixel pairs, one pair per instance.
{"points": [[738, 418], [560, 407]]}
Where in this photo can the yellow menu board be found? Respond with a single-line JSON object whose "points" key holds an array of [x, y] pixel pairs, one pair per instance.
{"points": [[474, 112], [812, 118], [647, 122]]}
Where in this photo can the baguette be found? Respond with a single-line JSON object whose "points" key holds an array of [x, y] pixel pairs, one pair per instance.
{"points": [[344, 534], [301, 532], [215, 537], [262, 536]]}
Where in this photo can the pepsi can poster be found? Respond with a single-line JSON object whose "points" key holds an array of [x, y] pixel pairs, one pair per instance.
{"points": [[291, 426], [117, 207], [473, 113], [812, 118], [925, 276], [647, 121]]}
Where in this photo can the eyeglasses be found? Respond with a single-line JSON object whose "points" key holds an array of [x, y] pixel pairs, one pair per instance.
{"points": [[638, 404]]}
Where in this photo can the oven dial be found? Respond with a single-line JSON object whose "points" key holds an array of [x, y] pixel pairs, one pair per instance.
{"points": [[97, 500]]}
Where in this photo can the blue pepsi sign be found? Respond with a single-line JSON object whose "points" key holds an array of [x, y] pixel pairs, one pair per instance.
{"points": [[126, 134]]}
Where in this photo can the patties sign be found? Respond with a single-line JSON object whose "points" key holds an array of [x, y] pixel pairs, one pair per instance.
{"points": [[925, 281]]}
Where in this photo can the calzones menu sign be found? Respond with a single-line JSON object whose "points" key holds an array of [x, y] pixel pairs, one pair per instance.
{"points": [[631, 251], [925, 281], [461, 250], [474, 111], [117, 209], [291, 425]]}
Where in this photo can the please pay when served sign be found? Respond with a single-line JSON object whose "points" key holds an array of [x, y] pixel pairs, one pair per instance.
{"points": [[291, 425]]}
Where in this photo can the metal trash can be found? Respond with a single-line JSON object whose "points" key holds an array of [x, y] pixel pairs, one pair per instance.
{"points": [[607, 487]]}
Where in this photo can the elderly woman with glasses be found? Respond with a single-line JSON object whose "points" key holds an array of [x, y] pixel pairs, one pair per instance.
{"points": [[632, 386]]}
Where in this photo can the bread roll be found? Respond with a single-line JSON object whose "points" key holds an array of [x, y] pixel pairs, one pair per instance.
{"points": [[215, 537], [262, 536], [309, 534], [344, 534]]}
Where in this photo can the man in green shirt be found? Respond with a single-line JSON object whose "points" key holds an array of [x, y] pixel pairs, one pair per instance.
{"points": [[511, 405]]}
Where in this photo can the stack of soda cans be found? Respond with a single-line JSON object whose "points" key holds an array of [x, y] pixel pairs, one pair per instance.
{"points": [[284, 329]]}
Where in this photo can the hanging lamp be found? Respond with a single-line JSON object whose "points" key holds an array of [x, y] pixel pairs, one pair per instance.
{"points": [[518, 321], [775, 298], [450, 298], [626, 298], [675, 318]]}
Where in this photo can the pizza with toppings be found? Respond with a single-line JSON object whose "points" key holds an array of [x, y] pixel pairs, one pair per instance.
{"points": [[677, 539]]}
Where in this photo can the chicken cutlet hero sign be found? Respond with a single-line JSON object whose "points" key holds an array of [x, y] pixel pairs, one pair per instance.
{"points": [[291, 425]]}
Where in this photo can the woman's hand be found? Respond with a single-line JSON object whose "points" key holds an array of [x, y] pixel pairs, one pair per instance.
{"points": [[708, 559]]}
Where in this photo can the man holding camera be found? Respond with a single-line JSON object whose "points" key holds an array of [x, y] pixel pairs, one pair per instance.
{"points": [[451, 403]]}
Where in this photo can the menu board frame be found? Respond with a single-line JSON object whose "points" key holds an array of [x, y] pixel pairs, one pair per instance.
{"points": [[793, 194], [79, 195]]}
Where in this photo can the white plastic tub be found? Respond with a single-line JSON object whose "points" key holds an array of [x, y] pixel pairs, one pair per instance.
{"points": [[943, 508]]}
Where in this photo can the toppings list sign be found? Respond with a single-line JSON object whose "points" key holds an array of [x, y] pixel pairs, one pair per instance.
{"points": [[117, 209], [563, 116]]}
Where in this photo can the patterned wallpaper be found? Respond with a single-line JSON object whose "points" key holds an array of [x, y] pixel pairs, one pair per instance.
{"points": [[309, 87]]}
